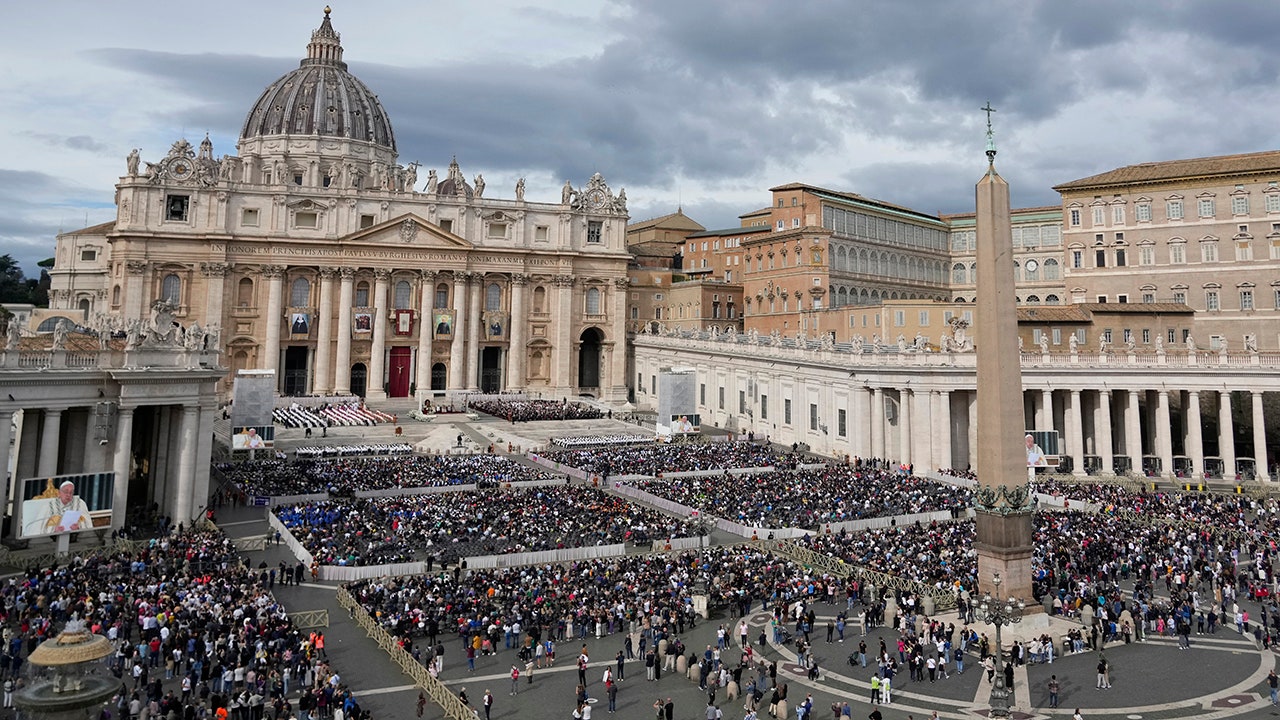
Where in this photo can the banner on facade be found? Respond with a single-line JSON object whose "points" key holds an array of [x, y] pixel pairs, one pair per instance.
{"points": [[362, 321], [442, 320], [299, 324], [495, 325], [404, 322]]}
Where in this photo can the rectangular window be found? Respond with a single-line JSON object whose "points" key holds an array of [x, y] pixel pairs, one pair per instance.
{"points": [[1204, 207], [1106, 335], [1128, 335], [1240, 205], [702, 394], [1147, 256], [742, 402], [1276, 294], [1100, 258], [813, 416], [541, 233], [306, 220], [249, 217], [1077, 259], [1173, 209], [1057, 336], [1121, 260], [175, 207], [899, 318], [1244, 250], [764, 407], [1075, 217], [366, 221], [924, 318], [1146, 336], [842, 423], [1142, 212], [594, 230], [1246, 299], [1036, 334], [497, 230], [1209, 252], [720, 397], [1148, 297], [1122, 299], [1211, 301], [635, 312], [1080, 336], [1117, 215], [446, 225], [88, 256], [1177, 254], [1099, 217], [786, 411], [1180, 297], [1273, 202], [1102, 299]]}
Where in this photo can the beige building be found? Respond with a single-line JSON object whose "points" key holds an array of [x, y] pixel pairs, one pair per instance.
{"points": [[317, 254], [1037, 248], [1204, 232]]}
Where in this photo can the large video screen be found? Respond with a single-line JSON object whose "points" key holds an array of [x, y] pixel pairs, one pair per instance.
{"points": [[65, 503]]}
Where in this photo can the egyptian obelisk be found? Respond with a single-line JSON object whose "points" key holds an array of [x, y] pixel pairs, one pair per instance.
{"points": [[1003, 539]]}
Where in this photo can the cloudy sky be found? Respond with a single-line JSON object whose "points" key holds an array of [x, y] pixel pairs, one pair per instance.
{"points": [[703, 104]]}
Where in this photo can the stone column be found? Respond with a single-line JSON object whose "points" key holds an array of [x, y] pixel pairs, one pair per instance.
{"points": [[516, 352], [181, 508], [1133, 431], [1164, 434], [324, 335], [904, 426], [561, 361], [422, 376], [942, 433], [135, 289], [860, 422], [274, 275], [922, 442], [1226, 436], [971, 434], [1195, 435], [6, 437], [457, 349], [1046, 403], [475, 321], [49, 440], [1105, 448], [1075, 428], [877, 423], [378, 353], [122, 463], [215, 275], [1260, 438], [342, 361], [615, 388]]}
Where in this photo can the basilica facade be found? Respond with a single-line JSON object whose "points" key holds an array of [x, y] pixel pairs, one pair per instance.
{"points": [[314, 252]]}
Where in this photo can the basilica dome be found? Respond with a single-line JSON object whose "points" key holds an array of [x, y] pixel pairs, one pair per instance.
{"points": [[321, 98]]}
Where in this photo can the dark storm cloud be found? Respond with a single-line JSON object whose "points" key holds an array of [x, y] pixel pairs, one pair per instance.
{"points": [[34, 206]]}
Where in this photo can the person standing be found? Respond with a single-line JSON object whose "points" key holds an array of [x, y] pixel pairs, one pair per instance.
{"points": [[1103, 681], [1054, 687], [621, 660], [612, 693], [1077, 715], [515, 679], [422, 703], [488, 703], [1273, 682]]}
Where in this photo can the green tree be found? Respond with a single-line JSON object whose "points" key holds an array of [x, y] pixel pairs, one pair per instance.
{"points": [[13, 284]]}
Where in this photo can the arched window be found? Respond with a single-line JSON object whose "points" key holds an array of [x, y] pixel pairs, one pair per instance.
{"points": [[1051, 269], [442, 296], [493, 297], [244, 293], [593, 302], [1031, 273], [540, 299], [115, 295], [1051, 300], [300, 293], [959, 273], [1033, 299], [362, 294], [84, 304], [404, 295], [171, 289], [1017, 270]]}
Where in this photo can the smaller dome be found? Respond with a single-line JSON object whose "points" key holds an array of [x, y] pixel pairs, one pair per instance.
{"points": [[321, 98]]}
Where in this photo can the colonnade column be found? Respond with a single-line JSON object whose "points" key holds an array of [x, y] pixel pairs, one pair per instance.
{"points": [[134, 306], [971, 440], [1104, 433], [378, 353], [1226, 436], [180, 509], [923, 440], [517, 324], [474, 323], [560, 361], [615, 388], [904, 427], [1076, 433], [49, 439], [342, 363], [1195, 435], [942, 434], [862, 422], [324, 334], [121, 463], [1133, 432], [1046, 403], [215, 277], [6, 436], [274, 275], [457, 346], [1164, 433], [1261, 468], [877, 423], [422, 376]]}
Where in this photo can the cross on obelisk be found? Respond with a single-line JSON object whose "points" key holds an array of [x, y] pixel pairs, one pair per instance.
{"points": [[991, 136]]}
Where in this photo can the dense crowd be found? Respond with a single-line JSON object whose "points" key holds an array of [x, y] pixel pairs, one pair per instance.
{"points": [[591, 441], [183, 608], [673, 457], [447, 525], [312, 452], [810, 498], [523, 410], [344, 476]]}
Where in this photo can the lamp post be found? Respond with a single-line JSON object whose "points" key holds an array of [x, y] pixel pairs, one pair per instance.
{"points": [[993, 610]]}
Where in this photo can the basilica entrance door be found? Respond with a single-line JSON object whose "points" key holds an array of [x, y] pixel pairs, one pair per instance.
{"points": [[439, 376], [359, 378], [295, 370], [399, 373], [491, 369]]}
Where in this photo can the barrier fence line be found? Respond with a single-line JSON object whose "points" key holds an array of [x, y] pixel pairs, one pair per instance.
{"points": [[430, 686], [942, 599], [304, 619]]}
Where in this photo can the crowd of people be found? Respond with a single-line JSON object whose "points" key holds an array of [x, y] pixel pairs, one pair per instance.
{"points": [[446, 526], [526, 410], [312, 452], [810, 497], [346, 414], [343, 476], [592, 441], [673, 457], [183, 608]]}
